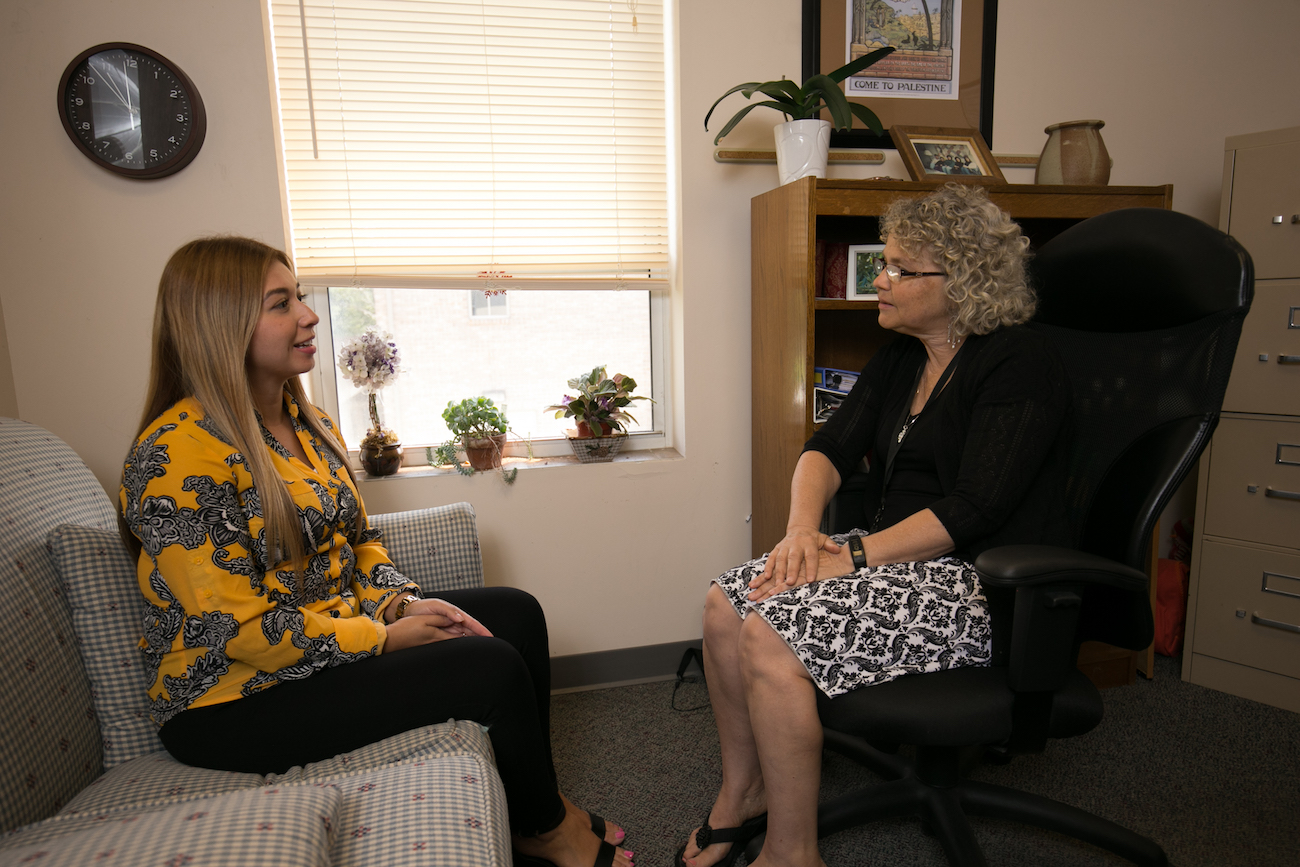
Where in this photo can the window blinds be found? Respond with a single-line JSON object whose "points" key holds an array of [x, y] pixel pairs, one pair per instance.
{"points": [[445, 143]]}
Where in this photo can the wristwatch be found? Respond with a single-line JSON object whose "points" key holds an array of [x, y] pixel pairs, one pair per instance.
{"points": [[402, 604], [855, 549]]}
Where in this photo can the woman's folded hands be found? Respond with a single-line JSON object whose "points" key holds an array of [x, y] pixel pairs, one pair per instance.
{"points": [[428, 620]]}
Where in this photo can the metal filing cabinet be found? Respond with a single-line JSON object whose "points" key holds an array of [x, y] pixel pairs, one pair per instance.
{"points": [[1243, 609]]}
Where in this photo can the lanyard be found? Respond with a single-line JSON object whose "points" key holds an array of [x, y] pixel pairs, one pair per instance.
{"points": [[901, 426]]}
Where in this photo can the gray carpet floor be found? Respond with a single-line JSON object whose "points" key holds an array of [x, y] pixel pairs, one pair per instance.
{"points": [[1213, 778]]}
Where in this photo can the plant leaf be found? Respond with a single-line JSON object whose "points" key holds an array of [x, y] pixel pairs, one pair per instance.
{"points": [[782, 89], [841, 117], [736, 89], [868, 117], [785, 109], [858, 65]]}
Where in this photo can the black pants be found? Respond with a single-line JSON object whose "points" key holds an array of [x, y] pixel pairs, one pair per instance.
{"points": [[503, 682]]}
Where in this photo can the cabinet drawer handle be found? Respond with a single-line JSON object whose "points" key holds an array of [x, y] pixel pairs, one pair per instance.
{"points": [[1276, 624], [1288, 359], [1281, 495]]}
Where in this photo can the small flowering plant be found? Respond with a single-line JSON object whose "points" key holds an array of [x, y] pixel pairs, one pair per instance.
{"points": [[599, 402], [372, 361]]}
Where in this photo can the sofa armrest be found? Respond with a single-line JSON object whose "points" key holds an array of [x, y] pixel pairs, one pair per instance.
{"points": [[436, 548]]}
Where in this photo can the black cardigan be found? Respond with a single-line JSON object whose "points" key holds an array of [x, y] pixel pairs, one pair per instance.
{"points": [[1000, 448]]}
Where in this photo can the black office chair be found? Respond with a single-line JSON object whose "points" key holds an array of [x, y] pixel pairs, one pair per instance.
{"points": [[1145, 307]]}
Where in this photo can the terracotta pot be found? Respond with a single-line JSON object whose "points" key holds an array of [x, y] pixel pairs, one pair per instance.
{"points": [[485, 453], [382, 460], [1074, 154], [586, 431]]}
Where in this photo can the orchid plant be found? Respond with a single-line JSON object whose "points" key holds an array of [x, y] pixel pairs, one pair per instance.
{"points": [[599, 402], [371, 362], [800, 103]]}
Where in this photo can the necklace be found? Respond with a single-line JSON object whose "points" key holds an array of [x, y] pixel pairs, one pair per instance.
{"points": [[907, 425]]}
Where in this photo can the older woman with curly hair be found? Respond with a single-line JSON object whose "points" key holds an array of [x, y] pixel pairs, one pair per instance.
{"points": [[959, 420]]}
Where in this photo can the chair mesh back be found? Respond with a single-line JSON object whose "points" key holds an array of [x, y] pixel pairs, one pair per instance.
{"points": [[1145, 307]]}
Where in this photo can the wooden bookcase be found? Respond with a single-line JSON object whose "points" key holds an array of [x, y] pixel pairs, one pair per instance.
{"points": [[794, 331]]}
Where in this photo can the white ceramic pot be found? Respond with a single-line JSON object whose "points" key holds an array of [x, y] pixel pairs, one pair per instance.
{"points": [[801, 148]]}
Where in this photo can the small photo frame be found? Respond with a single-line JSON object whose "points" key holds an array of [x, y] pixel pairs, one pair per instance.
{"points": [[865, 264], [934, 153]]}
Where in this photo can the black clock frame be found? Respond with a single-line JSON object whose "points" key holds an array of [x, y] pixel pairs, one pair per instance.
{"points": [[198, 115]]}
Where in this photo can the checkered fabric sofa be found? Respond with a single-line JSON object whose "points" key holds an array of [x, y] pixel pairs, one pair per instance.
{"points": [[83, 776]]}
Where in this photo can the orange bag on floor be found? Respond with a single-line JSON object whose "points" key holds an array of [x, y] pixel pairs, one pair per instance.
{"points": [[1171, 606]]}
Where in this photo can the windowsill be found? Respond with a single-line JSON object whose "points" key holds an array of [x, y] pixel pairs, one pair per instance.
{"points": [[527, 464]]}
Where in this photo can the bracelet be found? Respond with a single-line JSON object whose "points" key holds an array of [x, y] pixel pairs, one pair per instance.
{"points": [[855, 549], [402, 604]]}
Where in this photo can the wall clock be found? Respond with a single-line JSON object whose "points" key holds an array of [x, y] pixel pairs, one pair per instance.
{"points": [[131, 110]]}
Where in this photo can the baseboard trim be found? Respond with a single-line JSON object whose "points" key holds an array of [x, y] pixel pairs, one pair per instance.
{"points": [[606, 668]]}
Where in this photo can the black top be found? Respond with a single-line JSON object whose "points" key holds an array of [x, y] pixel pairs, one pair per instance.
{"points": [[987, 454]]}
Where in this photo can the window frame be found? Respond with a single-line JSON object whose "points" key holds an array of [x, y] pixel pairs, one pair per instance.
{"points": [[322, 384]]}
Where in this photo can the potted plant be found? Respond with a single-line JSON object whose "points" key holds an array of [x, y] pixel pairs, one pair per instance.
{"points": [[481, 428], [599, 409], [373, 361], [803, 141]]}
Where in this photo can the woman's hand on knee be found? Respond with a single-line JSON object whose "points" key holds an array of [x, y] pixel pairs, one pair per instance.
{"points": [[794, 561]]}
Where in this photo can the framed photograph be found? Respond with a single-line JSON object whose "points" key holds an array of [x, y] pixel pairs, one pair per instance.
{"points": [[933, 153], [940, 74], [865, 263]]}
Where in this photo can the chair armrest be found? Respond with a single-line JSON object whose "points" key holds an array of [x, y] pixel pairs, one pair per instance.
{"points": [[1014, 566], [1053, 590], [436, 548]]}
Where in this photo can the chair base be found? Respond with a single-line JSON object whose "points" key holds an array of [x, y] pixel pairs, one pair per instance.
{"points": [[928, 790]]}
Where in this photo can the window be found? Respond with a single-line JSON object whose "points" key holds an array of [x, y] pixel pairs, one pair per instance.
{"points": [[487, 180], [521, 361], [488, 304]]}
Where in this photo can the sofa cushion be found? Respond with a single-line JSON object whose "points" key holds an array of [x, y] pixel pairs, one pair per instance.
{"points": [[50, 748], [156, 779], [100, 585], [272, 826], [436, 547]]}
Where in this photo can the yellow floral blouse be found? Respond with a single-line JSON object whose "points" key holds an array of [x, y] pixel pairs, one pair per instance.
{"points": [[219, 622]]}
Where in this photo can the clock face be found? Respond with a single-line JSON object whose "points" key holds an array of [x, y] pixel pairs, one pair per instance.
{"points": [[132, 111]]}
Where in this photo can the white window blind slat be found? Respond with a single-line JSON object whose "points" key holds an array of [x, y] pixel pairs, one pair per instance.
{"points": [[430, 142]]}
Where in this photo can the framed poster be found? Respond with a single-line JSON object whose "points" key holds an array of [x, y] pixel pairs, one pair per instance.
{"points": [[937, 154], [940, 75]]}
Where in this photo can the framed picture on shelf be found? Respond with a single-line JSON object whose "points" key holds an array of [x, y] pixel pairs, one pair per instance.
{"points": [[933, 153], [865, 263]]}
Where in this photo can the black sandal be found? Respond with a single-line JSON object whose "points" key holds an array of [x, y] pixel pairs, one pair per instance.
{"points": [[604, 857], [598, 828], [738, 837]]}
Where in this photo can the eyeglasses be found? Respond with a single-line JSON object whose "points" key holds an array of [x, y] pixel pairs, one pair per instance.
{"points": [[896, 274]]}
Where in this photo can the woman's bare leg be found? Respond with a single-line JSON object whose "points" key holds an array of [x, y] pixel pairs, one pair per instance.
{"points": [[742, 795], [787, 733]]}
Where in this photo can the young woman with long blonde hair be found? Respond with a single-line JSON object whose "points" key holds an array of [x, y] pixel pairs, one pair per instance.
{"points": [[277, 630]]}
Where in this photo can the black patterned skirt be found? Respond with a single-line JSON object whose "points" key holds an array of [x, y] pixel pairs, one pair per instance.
{"points": [[877, 624]]}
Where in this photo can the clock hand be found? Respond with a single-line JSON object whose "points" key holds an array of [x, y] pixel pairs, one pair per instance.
{"points": [[126, 77]]}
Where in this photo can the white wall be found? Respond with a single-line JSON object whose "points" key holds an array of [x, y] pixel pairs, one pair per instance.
{"points": [[84, 250], [1171, 78]]}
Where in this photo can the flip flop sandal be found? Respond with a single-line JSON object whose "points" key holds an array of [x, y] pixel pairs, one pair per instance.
{"points": [[737, 837], [598, 828], [604, 857]]}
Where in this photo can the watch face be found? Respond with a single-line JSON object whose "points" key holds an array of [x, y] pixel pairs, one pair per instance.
{"points": [[132, 111]]}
